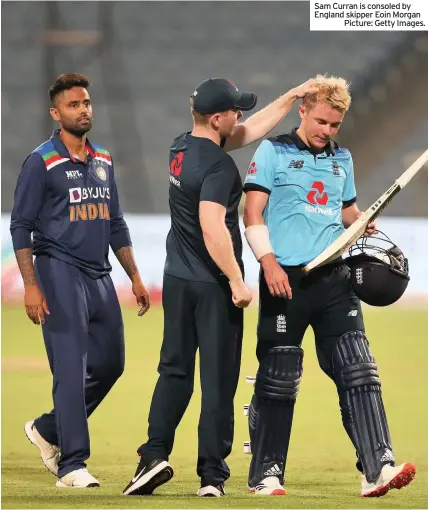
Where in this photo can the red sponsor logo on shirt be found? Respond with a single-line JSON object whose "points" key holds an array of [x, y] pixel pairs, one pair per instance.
{"points": [[317, 195], [252, 169], [176, 164]]}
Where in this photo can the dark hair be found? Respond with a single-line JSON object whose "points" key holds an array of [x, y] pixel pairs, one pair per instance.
{"points": [[66, 82]]}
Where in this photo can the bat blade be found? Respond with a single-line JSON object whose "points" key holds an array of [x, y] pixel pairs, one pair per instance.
{"points": [[357, 229]]}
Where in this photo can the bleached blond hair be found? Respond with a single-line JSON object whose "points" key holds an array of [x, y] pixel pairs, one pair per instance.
{"points": [[332, 90]]}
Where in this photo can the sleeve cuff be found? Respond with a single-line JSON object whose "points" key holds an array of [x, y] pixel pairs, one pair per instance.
{"points": [[348, 203], [21, 239], [256, 187], [120, 239]]}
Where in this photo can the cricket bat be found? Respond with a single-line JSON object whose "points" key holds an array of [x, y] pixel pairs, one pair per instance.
{"points": [[355, 231]]}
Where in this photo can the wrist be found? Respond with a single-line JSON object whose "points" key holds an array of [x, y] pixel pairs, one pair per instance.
{"points": [[292, 95], [30, 285], [258, 239], [236, 280], [136, 278], [267, 259]]}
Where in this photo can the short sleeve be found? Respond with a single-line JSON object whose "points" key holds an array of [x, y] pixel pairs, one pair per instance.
{"points": [[349, 191], [261, 172], [218, 182]]}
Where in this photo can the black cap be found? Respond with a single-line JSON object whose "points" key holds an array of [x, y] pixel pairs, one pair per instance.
{"points": [[219, 95]]}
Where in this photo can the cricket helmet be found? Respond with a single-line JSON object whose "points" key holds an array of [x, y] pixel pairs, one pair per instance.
{"points": [[379, 270]]}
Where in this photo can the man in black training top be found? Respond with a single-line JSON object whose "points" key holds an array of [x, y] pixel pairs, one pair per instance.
{"points": [[203, 290], [66, 196]]}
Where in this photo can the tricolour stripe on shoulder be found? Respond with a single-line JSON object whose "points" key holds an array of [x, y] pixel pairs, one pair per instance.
{"points": [[54, 161], [50, 156], [102, 154], [45, 148]]}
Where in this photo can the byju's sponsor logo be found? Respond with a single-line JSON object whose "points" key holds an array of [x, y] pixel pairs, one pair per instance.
{"points": [[79, 194]]}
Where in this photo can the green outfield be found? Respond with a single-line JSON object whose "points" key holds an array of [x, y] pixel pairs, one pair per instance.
{"points": [[321, 466]]}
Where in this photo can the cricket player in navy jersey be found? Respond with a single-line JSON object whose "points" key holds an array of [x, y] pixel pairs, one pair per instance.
{"points": [[66, 196], [300, 196]]}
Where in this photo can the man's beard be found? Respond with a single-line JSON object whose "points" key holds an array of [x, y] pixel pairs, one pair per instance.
{"points": [[77, 130]]}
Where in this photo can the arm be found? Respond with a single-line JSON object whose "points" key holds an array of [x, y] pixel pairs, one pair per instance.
{"points": [[217, 239], [257, 235], [351, 214], [214, 198], [219, 245], [259, 183], [28, 201], [120, 242], [350, 210], [261, 123]]}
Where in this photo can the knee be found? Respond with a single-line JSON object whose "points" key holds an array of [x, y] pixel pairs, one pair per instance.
{"points": [[279, 375], [109, 371], [353, 363]]}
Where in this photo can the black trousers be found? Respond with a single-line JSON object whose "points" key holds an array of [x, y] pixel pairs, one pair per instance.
{"points": [[324, 299], [197, 315]]}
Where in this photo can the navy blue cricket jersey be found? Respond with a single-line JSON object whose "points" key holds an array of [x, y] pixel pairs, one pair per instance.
{"points": [[71, 207]]}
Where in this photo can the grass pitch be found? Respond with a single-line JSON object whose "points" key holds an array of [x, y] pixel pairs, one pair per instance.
{"points": [[321, 464]]}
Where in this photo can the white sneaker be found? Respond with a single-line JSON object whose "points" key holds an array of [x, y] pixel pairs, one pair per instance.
{"points": [[391, 477], [269, 486], [78, 479], [50, 454], [210, 491]]}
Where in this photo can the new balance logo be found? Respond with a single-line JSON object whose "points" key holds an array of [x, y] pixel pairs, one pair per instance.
{"points": [[296, 164], [388, 456], [353, 313], [273, 471]]}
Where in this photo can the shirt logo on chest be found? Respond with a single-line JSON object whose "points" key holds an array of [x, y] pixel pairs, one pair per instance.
{"points": [[335, 167], [296, 163], [317, 195], [102, 174], [176, 165], [73, 174]]}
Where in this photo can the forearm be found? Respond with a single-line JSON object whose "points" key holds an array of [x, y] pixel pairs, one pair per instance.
{"points": [[350, 215], [125, 255], [219, 245], [253, 218], [262, 122], [24, 259]]}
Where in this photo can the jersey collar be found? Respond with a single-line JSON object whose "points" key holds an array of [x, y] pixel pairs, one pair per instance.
{"points": [[301, 145], [62, 149]]}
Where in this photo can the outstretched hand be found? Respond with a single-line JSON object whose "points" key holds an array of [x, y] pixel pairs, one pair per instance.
{"points": [[309, 87]]}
